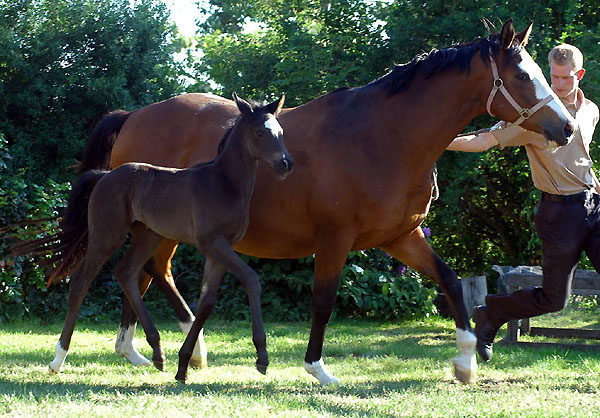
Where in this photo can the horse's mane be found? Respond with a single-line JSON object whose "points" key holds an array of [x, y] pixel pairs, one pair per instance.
{"points": [[438, 60]]}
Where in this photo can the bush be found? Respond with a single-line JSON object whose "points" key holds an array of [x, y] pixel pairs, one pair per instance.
{"points": [[21, 276]]}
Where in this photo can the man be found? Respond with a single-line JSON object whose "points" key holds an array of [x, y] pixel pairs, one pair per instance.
{"points": [[567, 219]]}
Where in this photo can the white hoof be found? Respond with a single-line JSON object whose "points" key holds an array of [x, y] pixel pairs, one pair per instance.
{"points": [[200, 355], [320, 371], [59, 359], [465, 365], [124, 347]]}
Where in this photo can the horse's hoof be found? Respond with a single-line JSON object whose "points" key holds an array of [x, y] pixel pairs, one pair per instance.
{"points": [[200, 363], [464, 374], [51, 371], [181, 377], [262, 368], [160, 365]]}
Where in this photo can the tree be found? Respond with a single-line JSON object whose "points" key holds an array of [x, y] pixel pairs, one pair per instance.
{"points": [[64, 63]]}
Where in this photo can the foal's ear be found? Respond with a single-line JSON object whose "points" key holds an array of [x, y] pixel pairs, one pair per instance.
{"points": [[507, 35], [523, 37], [275, 107], [243, 106]]}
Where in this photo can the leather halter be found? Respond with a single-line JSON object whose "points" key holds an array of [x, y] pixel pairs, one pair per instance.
{"points": [[499, 85]]}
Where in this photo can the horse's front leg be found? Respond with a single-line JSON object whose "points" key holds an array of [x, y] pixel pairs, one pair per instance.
{"points": [[222, 252], [415, 251], [213, 273], [332, 248]]}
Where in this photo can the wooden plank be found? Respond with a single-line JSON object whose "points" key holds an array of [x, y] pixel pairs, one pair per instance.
{"points": [[586, 281], [590, 334], [562, 346]]}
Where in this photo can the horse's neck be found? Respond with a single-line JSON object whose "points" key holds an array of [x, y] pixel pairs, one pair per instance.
{"points": [[436, 109], [237, 165]]}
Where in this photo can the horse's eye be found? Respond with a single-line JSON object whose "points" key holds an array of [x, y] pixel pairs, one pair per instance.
{"points": [[523, 76]]}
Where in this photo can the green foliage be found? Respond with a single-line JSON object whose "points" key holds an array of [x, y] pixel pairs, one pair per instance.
{"points": [[64, 63], [20, 276], [373, 285]]}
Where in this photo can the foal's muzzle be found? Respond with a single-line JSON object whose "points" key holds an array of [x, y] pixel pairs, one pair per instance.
{"points": [[284, 166]]}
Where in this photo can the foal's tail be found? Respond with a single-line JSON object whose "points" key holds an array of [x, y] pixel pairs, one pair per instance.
{"points": [[97, 150], [64, 250]]}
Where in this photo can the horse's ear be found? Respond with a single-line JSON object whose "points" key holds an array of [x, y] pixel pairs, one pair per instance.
{"points": [[243, 106], [275, 107], [523, 37], [507, 35]]}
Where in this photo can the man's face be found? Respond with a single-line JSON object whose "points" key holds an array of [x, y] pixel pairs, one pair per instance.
{"points": [[565, 80]]}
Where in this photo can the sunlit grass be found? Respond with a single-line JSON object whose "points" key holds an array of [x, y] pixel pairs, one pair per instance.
{"points": [[387, 369]]}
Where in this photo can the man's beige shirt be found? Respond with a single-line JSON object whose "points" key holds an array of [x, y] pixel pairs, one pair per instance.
{"points": [[568, 169]]}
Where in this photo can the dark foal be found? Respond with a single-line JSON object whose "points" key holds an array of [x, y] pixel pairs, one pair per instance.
{"points": [[205, 205]]}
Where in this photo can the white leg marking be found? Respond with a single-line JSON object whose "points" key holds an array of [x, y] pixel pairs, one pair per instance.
{"points": [[465, 365], [124, 347], [320, 371], [59, 359], [200, 355]]}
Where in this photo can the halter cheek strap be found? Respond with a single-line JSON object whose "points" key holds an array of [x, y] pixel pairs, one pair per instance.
{"points": [[499, 85]]}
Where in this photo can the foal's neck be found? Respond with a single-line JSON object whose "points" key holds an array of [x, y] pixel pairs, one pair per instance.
{"points": [[236, 163]]}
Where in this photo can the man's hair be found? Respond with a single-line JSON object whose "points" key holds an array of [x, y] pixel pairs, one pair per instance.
{"points": [[566, 54]]}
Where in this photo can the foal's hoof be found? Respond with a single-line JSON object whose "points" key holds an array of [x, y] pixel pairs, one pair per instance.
{"points": [[181, 377], [262, 368], [160, 365], [51, 371]]}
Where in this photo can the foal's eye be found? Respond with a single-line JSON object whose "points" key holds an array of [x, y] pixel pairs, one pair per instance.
{"points": [[523, 76]]}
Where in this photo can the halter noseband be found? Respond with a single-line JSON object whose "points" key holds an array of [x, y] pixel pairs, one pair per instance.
{"points": [[499, 85]]}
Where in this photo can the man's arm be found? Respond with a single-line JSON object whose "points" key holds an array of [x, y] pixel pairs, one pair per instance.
{"points": [[473, 143]]}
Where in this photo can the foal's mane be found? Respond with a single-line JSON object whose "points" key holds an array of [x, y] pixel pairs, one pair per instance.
{"points": [[438, 60], [225, 139]]}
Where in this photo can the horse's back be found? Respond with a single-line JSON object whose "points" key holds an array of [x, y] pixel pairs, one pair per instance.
{"points": [[177, 132]]}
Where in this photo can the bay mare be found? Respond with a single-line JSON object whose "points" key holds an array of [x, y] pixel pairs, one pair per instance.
{"points": [[206, 205], [364, 160]]}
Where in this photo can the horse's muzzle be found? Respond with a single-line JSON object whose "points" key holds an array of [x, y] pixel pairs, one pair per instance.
{"points": [[564, 136], [284, 166]]}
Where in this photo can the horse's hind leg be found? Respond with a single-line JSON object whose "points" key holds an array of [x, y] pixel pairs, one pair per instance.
{"points": [[158, 268], [143, 243], [415, 251], [79, 284], [213, 273]]}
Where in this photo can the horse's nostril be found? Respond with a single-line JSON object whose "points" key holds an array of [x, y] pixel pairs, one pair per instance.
{"points": [[569, 130]]}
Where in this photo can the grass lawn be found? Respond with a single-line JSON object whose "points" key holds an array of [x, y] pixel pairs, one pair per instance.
{"points": [[386, 370]]}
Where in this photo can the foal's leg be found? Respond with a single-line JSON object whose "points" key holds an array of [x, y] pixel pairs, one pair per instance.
{"points": [[161, 272], [332, 249], [79, 284], [222, 254], [414, 251], [213, 273], [143, 243]]}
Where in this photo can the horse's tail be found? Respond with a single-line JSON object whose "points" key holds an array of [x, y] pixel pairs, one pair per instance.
{"points": [[64, 250], [97, 150]]}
